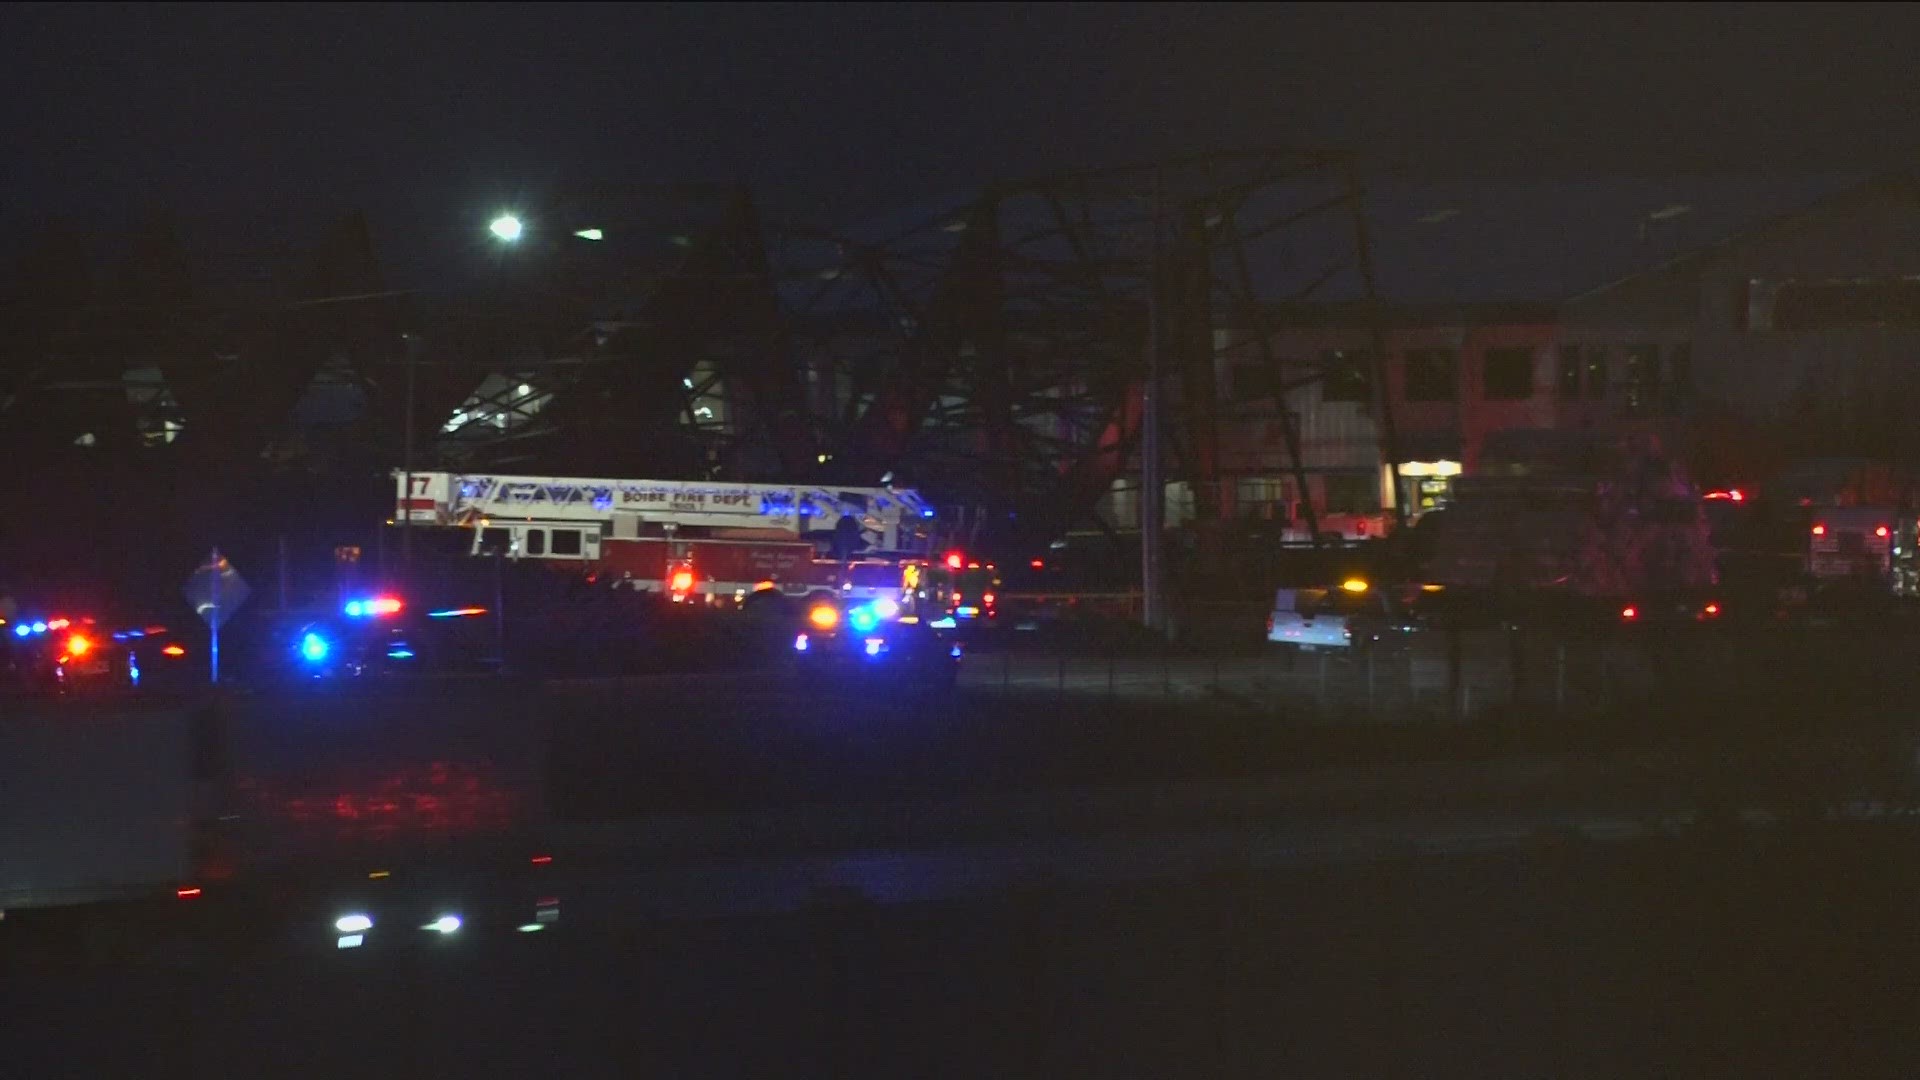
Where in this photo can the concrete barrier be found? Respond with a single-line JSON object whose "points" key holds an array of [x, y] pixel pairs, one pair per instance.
{"points": [[94, 799]]}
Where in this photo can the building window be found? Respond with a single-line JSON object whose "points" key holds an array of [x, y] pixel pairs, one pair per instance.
{"points": [[1353, 494], [1432, 374], [1264, 497], [1597, 372], [1349, 376], [1567, 377], [1507, 374]]}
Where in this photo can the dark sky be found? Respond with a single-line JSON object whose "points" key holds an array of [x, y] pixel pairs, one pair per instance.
{"points": [[447, 107]]}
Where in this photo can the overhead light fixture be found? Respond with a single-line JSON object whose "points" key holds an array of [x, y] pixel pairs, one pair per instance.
{"points": [[506, 228]]}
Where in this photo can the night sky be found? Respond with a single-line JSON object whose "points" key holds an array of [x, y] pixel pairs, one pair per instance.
{"points": [[446, 111]]}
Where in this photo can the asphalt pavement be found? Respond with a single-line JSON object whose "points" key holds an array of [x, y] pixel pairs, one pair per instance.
{"points": [[761, 879]]}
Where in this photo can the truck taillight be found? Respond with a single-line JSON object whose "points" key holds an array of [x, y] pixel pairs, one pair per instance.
{"points": [[1819, 530], [1880, 531]]}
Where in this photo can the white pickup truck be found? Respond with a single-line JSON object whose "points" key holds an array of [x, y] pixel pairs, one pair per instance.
{"points": [[1347, 617]]}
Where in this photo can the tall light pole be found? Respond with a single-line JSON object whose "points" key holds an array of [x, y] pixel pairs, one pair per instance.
{"points": [[406, 460], [1153, 487]]}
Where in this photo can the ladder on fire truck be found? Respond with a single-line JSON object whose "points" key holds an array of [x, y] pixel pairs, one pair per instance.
{"points": [[625, 509]]}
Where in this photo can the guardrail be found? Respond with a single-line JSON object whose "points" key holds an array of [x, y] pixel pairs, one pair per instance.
{"points": [[1755, 680]]}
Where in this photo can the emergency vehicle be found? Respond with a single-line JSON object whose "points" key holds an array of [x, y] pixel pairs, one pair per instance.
{"points": [[1869, 545], [695, 542]]}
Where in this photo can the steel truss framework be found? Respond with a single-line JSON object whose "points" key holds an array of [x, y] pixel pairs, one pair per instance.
{"points": [[992, 353]]}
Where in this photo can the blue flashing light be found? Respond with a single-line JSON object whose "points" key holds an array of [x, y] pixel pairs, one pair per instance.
{"points": [[23, 630], [133, 669], [39, 627], [955, 653], [800, 643], [355, 609], [927, 513], [401, 653], [874, 645], [314, 648], [942, 624], [863, 618]]}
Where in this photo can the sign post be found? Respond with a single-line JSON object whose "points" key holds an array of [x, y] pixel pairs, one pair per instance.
{"points": [[216, 590]]}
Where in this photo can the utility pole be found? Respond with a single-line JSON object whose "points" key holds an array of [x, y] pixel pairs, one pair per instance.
{"points": [[406, 459], [1382, 396], [1153, 488]]}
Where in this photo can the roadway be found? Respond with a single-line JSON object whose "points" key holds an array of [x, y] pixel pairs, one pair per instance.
{"points": [[672, 773], [766, 879]]}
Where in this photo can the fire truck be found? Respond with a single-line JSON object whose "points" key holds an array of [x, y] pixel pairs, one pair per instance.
{"points": [[695, 542]]}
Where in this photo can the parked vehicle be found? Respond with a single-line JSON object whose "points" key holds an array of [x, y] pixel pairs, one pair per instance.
{"points": [[1352, 616]]}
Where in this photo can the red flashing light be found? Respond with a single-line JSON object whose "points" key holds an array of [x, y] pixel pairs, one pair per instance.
{"points": [[1629, 613], [1730, 495], [187, 892], [1737, 495], [79, 645], [59, 624], [954, 560], [987, 599], [1711, 610], [682, 580], [173, 650], [541, 860], [1819, 530], [1880, 531], [1038, 564]]}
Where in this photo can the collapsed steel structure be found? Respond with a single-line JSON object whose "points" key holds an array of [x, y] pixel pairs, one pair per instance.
{"points": [[993, 353]]}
